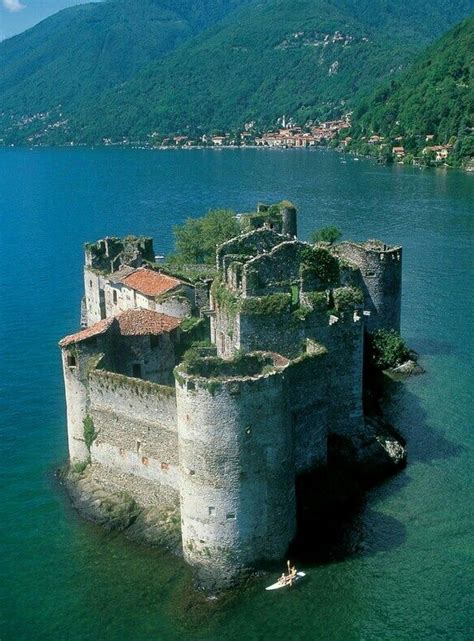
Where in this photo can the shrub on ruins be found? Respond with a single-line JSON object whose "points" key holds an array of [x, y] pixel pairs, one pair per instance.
{"points": [[387, 349], [324, 265], [326, 235], [89, 431], [196, 240]]}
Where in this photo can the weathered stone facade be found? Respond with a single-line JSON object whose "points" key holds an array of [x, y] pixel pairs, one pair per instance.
{"points": [[226, 435]]}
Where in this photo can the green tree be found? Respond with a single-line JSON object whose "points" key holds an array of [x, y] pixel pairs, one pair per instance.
{"points": [[197, 239], [387, 349], [326, 235]]}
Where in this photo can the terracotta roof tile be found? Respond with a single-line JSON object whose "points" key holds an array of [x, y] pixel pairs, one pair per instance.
{"points": [[141, 322], [94, 330], [149, 282], [133, 322]]}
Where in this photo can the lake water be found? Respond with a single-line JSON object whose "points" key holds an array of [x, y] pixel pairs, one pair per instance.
{"points": [[407, 574]]}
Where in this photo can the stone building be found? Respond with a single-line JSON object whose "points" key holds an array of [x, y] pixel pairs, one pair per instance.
{"points": [[223, 434]]}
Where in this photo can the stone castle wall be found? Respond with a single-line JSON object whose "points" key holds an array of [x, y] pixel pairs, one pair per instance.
{"points": [[308, 391], [136, 434], [237, 483]]}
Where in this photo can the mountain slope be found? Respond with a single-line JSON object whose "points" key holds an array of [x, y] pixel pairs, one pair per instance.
{"points": [[86, 49], [305, 58], [123, 68], [435, 96]]}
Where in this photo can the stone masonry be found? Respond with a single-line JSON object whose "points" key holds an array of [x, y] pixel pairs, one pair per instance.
{"points": [[224, 432]]}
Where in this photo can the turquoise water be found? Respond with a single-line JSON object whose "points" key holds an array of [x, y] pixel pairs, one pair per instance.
{"points": [[406, 569]]}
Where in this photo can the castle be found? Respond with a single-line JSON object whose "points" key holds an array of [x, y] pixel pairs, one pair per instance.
{"points": [[222, 431]]}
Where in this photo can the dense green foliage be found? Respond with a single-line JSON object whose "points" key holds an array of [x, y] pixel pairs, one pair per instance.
{"points": [[326, 235], [435, 97], [270, 305], [346, 297], [387, 349], [197, 239], [72, 58], [215, 367], [324, 265], [100, 70]]}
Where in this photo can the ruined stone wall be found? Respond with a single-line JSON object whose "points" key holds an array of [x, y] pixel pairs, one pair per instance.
{"points": [[308, 383], [344, 341], [274, 271], [381, 281], [250, 244], [136, 433], [149, 357], [237, 485], [278, 332], [94, 297], [179, 305]]}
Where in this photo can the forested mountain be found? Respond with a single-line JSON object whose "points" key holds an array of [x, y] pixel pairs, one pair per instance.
{"points": [[434, 98], [80, 52], [124, 68]]}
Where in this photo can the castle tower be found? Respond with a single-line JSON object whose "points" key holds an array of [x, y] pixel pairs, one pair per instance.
{"points": [[75, 383], [237, 470], [380, 279], [289, 219]]}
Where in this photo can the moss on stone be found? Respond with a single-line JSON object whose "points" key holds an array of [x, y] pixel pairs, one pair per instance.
{"points": [[89, 431], [270, 305], [224, 298]]}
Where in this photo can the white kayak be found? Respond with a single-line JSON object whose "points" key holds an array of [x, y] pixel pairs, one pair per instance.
{"points": [[278, 584]]}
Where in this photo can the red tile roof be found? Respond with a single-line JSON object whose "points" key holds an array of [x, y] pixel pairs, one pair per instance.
{"points": [[94, 330], [142, 322], [132, 322], [149, 282]]}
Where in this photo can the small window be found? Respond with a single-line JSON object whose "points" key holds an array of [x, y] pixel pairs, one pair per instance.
{"points": [[137, 370], [114, 296], [165, 466], [370, 274], [139, 446], [248, 430], [230, 516], [90, 283], [71, 360], [145, 460], [212, 511]]}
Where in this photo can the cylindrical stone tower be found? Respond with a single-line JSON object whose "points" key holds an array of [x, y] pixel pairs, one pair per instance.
{"points": [[289, 220], [76, 403], [237, 473], [381, 273]]}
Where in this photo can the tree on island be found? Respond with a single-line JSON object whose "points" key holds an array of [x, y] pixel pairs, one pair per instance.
{"points": [[196, 240], [326, 235]]}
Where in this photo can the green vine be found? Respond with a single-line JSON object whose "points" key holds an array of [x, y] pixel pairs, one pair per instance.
{"points": [[89, 431]]}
